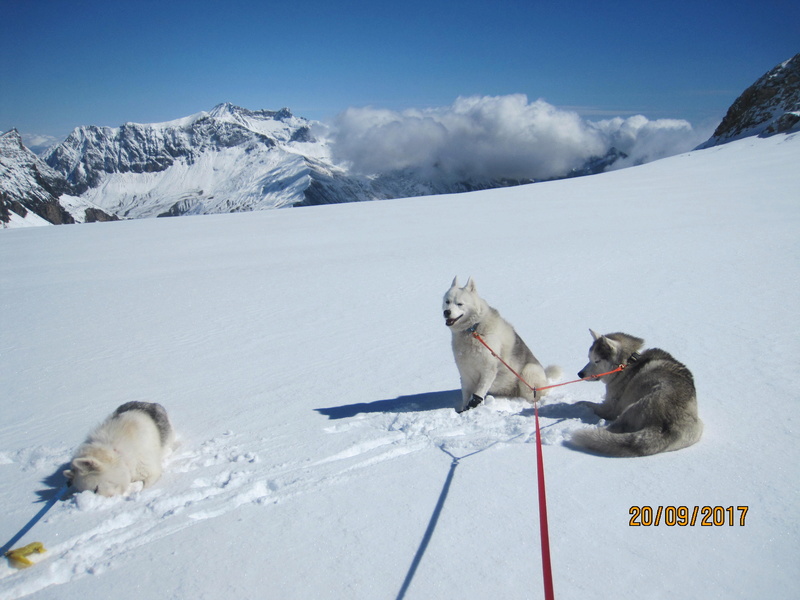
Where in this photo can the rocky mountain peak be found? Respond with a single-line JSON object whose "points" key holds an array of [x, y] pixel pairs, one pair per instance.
{"points": [[770, 106], [11, 145], [11, 138], [27, 184], [228, 109]]}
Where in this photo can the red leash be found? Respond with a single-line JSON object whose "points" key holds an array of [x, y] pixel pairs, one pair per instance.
{"points": [[547, 572], [477, 336]]}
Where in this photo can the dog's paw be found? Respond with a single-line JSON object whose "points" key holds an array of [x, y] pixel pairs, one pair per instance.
{"points": [[473, 402], [587, 404]]}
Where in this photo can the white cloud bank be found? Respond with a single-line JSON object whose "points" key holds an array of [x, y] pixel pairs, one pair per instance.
{"points": [[497, 137]]}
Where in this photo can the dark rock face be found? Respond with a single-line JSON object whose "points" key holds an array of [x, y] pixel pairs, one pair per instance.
{"points": [[95, 215], [768, 107]]}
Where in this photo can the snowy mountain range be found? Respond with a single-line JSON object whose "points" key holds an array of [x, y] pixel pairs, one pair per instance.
{"points": [[232, 159], [227, 160]]}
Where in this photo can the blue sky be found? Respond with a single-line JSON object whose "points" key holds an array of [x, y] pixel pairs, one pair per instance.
{"points": [[70, 63]]}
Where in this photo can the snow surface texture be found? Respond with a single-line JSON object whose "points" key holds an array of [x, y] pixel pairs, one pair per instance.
{"points": [[304, 362]]}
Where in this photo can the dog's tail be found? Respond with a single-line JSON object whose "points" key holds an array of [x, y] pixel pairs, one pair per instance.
{"points": [[156, 412], [647, 441], [553, 372]]}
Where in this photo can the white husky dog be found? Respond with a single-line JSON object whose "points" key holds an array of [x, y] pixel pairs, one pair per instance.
{"points": [[128, 446], [481, 373], [652, 403]]}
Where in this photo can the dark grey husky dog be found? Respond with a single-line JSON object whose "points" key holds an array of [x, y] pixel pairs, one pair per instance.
{"points": [[652, 402]]}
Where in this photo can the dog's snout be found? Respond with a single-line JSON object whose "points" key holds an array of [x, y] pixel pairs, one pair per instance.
{"points": [[447, 314], [581, 374]]}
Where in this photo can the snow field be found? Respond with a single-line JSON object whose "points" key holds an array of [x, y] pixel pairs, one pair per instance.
{"points": [[303, 360]]}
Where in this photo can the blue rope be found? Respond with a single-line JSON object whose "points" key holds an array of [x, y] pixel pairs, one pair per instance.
{"points": [[431, 527], [426, 538], [59, 494]]}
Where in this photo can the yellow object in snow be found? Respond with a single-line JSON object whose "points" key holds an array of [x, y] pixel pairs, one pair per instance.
{"points": [[19, 557]]}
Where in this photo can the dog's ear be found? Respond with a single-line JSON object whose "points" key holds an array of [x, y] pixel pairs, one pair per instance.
{"points": [[470, 287], [605, 347], [594, 335], [455, 282], [85, 465]]}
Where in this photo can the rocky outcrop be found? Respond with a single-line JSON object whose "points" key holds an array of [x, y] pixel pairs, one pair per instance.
{"points": [[768, 107]]}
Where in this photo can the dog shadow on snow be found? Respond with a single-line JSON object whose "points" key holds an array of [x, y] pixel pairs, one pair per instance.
{"points": [[561, 411], [54, 482], [427, 401], [412, 403]]}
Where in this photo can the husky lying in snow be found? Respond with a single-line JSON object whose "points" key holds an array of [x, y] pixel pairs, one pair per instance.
{"points": [[481, 373], [128, 446], [652, 402]]}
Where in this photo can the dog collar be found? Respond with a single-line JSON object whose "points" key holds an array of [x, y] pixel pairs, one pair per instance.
{"points": [[472, 329], [633, 358]]}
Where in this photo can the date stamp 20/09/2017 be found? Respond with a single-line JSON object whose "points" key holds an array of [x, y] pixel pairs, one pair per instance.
{"points": [[683, 516]]}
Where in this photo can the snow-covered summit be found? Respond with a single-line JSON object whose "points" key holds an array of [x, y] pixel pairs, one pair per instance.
{"points": [[225, 160], [91, 152], [280, 124]]}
